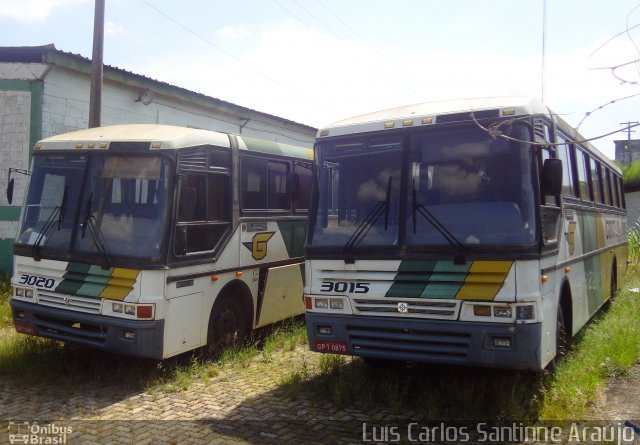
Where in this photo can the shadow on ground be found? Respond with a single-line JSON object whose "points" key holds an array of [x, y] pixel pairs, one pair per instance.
{"points": [[352, 402]]}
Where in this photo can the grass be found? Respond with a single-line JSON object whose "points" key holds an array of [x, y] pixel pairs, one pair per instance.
{"points": [[606, 348]]}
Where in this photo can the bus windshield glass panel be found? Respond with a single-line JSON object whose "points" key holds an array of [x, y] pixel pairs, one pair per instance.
{"points": [[115, 204], [463, 188], [359, 192], [479, 189]]}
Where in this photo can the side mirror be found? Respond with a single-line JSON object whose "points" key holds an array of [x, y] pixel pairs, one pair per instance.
{"points": [[552, 177], [10, 191]]}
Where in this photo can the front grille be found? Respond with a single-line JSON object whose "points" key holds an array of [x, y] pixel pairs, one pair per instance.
{"points": [[70, 330], [446, 310], [410, 344], [70, 302]]}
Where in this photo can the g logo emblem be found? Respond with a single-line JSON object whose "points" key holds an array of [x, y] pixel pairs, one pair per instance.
{"points": [[403, 307], [259, 244]]}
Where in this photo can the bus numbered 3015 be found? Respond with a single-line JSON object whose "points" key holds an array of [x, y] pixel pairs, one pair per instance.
{"points": [[152, 240], [480, 232]]}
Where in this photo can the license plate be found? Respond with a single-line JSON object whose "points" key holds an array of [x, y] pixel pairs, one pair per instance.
{"points": [[333, 347], [25, 328]]}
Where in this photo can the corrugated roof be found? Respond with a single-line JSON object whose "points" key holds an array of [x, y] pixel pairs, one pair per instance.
{"points": [[51, 55]]}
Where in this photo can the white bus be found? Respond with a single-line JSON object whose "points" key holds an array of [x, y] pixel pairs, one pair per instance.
{"points": [[480, 232], [150, 240]]}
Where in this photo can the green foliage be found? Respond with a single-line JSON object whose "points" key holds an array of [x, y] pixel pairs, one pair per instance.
{"points": [[5, 310], [630, 173], [634, 244]]}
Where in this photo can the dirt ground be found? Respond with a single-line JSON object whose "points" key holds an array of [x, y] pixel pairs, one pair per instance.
{"points": [[621, 398]]}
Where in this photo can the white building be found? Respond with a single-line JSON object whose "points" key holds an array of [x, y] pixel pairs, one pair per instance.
{"points": [[44, 91]]}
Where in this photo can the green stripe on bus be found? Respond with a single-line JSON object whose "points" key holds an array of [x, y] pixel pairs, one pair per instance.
{"points": [[411, 279], [277, 148], [446, 280], [293, 233]]}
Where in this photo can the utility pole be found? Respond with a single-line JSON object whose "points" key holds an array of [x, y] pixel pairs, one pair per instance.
{"points": [[95, 96], [629, 131]]}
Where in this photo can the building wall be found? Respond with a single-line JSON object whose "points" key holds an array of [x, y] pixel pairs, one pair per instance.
{"points": [[38, 101], [17, 110], [633, 208], [66, 108]]}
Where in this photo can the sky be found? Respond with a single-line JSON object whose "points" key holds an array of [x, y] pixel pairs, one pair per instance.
{"points": [[320, 61]]}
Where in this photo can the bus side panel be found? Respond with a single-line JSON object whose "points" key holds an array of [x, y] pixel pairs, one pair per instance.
{"points": [[282, 294], [183, 327]]}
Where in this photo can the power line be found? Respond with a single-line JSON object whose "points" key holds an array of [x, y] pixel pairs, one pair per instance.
{"points": [[231, 56], [372, 48], [629, 131], [329, 30], [393, 81]]}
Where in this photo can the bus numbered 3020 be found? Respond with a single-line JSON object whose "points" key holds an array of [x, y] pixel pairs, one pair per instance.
{"points": [[480, 232], [151, 240]]}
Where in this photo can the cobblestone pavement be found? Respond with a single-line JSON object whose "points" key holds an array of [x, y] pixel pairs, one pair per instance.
{"points": [[233, 407], [236, 406]]}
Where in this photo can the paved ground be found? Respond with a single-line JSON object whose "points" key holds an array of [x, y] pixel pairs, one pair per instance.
{"points": [[232, 407], [247, 405]]}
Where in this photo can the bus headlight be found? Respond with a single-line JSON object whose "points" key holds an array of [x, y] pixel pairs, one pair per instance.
{"points": [[502, 311], [23, 292], [525, 312], [326, 303]]}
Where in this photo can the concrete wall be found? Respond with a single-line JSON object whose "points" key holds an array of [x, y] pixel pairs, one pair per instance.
{"points": [[633, 208]]}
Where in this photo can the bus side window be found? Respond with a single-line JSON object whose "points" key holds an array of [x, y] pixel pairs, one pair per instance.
{"points": [[278, 196], [564, 153], [203, 212], [302, 191], [582, 175], [596, 180], [254, 188]]}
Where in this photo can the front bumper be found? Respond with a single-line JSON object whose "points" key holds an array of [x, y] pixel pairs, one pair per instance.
{"points": [[430, 341], [97, 331]]}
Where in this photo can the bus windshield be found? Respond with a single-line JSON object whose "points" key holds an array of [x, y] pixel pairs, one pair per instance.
{"points": [[477, 187], [464, 189], [359, 192], [109, 205]]}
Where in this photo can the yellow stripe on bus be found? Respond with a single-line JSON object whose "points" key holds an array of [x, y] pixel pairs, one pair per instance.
{"points": [[484, 280], [120, 284]]}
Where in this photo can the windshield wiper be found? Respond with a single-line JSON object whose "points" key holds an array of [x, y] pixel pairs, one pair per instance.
{"points": [[57, 212], [96, 234], [451, 239], [381, 207]]}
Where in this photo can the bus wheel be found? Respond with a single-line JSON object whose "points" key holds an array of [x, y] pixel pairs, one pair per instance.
{"points": [[562, 339], [227, 327], [614, 282]]}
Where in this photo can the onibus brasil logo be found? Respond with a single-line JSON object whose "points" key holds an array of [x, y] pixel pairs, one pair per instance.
{"points": [[41, 434]]}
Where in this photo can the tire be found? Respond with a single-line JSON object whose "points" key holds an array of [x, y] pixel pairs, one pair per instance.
{"points": [[227, 327], [614, 282], [562, 340]]}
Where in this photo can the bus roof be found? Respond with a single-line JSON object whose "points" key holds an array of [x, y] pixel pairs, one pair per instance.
{"points": [[416, 112], [162, 137], [429, 113]]}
